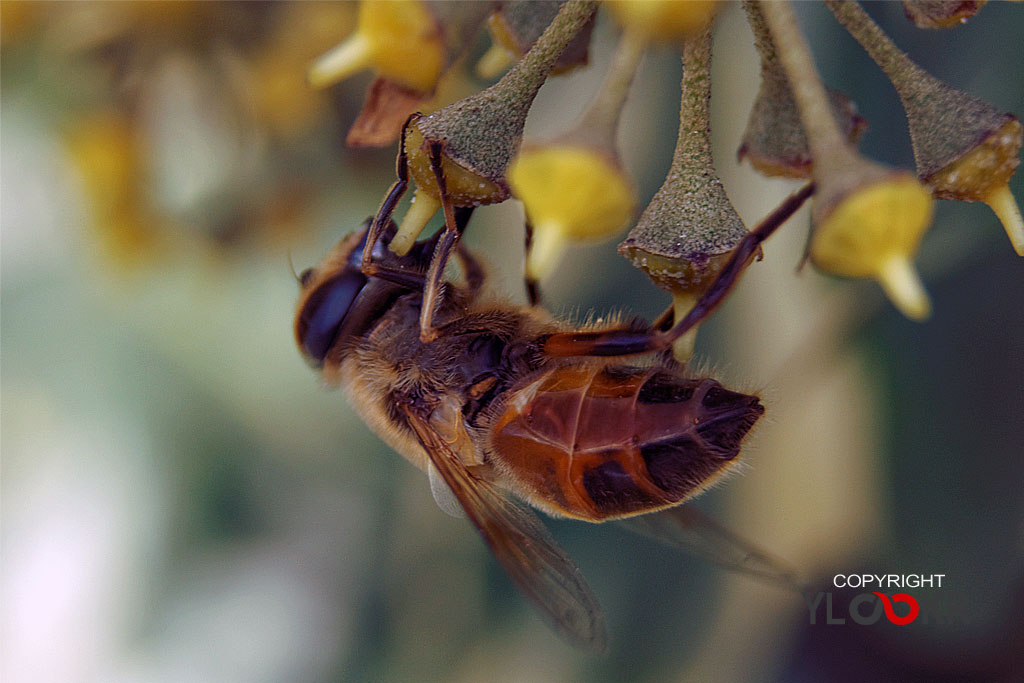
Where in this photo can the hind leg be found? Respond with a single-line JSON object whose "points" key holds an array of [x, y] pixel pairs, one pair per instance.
{"points": [[446, 244], [629, 342]]}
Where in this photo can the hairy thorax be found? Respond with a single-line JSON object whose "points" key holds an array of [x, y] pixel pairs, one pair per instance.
{"points": [[464, 374]]}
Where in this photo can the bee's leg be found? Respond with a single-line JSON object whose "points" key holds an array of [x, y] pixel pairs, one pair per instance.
{"points": [[530, 282], [401, 277], [472, 270], [629, 342], [387, 207], [664, 321], [445, 246]]}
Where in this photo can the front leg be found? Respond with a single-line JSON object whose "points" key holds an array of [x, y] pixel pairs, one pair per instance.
{"points": [[529, 281], [434, 288], [387, 207], [472, 269]]}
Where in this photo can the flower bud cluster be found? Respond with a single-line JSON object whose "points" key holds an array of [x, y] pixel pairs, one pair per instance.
{"points": [[868, 220]]}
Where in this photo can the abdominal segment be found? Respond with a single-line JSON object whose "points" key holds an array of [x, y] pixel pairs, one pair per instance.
{"points": [[598, 442]]}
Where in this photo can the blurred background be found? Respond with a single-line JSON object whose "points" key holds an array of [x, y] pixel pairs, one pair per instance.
{"points": [[182, 501]]}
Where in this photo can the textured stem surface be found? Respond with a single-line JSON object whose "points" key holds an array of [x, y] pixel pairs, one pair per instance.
{"points": [[603, 113], [826, 141]]}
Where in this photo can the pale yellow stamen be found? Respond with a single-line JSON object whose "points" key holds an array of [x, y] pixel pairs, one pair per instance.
{"points": [[682, 348], [422, 209], [902, 284], [1005, 206], [351, 56], [549, 243], [494, 62]]}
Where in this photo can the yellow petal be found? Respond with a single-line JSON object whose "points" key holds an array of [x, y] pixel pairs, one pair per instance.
{"points": [[574, 188], [397, 38], [870, 224], [874, 232]]}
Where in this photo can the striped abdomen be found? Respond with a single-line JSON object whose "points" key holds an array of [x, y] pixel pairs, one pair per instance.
{"points": [[596, 442]]}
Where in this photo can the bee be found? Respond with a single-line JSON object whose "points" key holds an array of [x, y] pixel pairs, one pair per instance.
{"points": [[498, 413]]}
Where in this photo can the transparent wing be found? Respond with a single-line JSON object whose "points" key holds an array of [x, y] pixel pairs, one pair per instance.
{"points": [[519, 541], [443, 495], [687, 528]]}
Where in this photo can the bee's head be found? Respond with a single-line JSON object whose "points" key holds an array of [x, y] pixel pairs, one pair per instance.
{"points": [[338, 301]]}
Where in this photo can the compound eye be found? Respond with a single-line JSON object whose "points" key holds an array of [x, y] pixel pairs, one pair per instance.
{"points": [[355, 257], [325, 311]]}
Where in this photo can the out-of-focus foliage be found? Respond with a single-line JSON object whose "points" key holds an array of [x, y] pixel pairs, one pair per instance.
{"points": [[181, 501]]}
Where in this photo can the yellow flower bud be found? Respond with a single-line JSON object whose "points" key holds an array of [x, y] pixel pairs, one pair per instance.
{"points": [[663, 20], [874, 231], [571, 193], [868, 219], [104, 148], [399, 39], [479, 135], [965, 148], [20, 17], [465, 188], [689, 229], [515, 28]]}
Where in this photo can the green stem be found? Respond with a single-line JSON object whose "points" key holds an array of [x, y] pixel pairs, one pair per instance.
{"points": [[483, 132], [900, 69], [771, 70], [530, 72], [828, 147], [693, 144], [601, 119]]}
